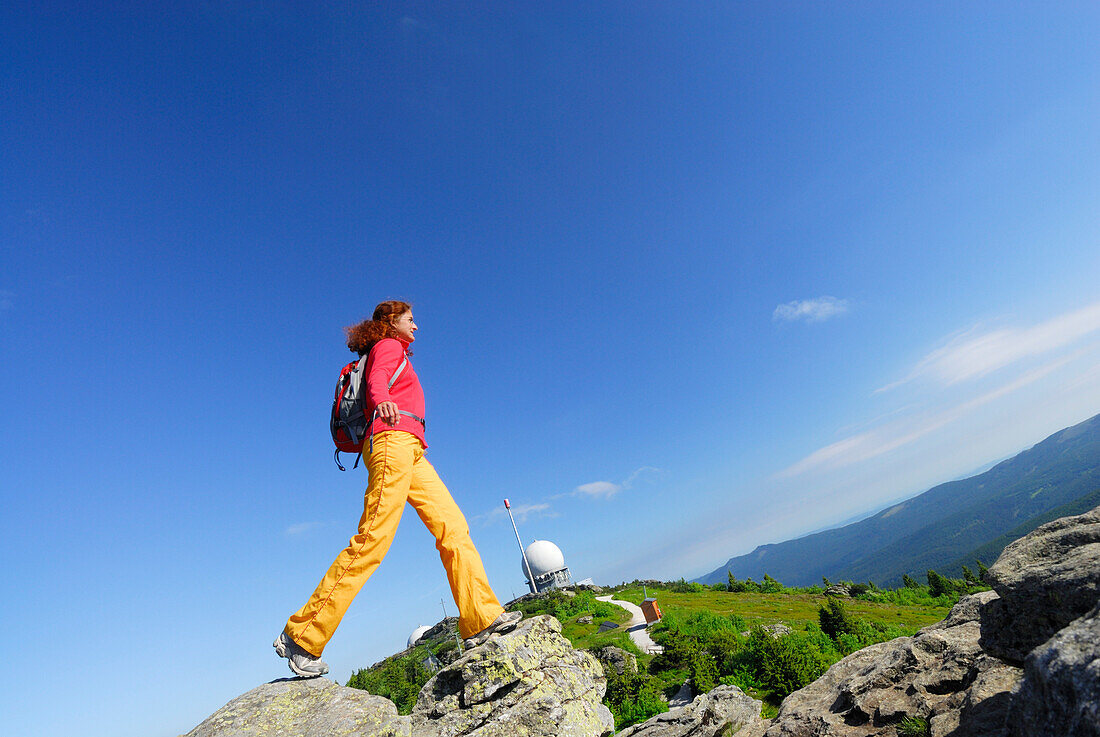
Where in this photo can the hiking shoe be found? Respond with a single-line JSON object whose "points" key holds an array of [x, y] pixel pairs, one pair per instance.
{"points": [[301, 662], [506, 622]]}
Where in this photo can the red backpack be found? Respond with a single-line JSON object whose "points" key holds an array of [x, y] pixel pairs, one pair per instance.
{"points": [[348, 421]]}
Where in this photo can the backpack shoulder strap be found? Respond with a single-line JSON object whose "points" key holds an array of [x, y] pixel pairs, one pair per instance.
{"points": [[400, 368]]}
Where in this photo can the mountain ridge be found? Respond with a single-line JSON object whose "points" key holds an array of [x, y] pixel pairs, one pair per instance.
{"points": [[950, 525]]}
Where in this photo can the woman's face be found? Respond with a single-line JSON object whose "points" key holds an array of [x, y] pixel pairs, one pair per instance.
{"points": [[405, 327]]}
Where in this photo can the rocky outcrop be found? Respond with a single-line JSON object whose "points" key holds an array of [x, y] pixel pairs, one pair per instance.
{"points": [[617, 658], [724, 711], [940, 675], [1045, 580], [1060, 692], [962, 677], [305, 707], [529, 682]]}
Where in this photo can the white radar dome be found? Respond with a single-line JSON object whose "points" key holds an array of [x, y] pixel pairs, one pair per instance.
{"points": [[417, 634], [544, 557]]}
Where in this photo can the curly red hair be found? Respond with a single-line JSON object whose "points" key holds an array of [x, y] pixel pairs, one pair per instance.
{"points": [[362, 336]]}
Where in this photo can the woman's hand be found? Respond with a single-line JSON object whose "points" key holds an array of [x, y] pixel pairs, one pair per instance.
{"points": [[388, 413]]}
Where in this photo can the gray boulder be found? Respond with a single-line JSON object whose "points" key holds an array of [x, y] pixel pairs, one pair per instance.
{"points": [[940, 675], [777, 630], [617, 658], [1060, 691], [305, 707], [725, 711], [1045, 580], [528, 682]]}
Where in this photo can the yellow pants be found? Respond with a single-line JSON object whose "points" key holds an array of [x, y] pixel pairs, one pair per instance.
{"points": [[399, 472]]}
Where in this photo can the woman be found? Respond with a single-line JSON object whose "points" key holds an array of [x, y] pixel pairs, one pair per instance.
{"points": [[398, 472]]}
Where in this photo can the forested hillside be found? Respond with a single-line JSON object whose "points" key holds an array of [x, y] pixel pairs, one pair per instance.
{"points": [[946, 527]]}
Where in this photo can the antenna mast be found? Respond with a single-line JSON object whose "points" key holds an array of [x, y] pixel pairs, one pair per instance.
{"points": [[530, 577]]}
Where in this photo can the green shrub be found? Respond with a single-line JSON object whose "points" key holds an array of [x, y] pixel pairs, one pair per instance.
{"points": [[685, 587], [704, 673], [834, 618], [770, 586], [789, 662], [914, 727], [780, 665], [633, 697]]}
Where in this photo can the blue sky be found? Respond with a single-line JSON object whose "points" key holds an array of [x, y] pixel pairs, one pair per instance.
{"points": [[689, 278]]}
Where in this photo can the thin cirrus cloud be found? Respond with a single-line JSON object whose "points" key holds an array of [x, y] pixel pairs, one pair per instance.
{"points": [[301, 528], [810, 310], [520, 512], [972, 354], [871, 444]]}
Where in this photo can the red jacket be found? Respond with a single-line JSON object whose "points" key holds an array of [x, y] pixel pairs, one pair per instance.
{"points": [[382, 361]]}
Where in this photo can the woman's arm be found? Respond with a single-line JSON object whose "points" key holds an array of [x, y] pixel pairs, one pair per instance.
{"points": [[386, 356]]}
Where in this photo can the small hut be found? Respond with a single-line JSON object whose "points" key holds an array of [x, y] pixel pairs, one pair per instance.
{"points": [[651, 611]]}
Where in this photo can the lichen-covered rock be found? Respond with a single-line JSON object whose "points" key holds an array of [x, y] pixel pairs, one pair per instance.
{"points": [[723, 712], [1060, 691], [529, 682], [777, 630], [617, 658], [305, 707], [1046, 580], [940, 675]]}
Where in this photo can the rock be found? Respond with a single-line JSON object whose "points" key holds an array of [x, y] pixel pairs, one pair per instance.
{"points": [[940, 674], [1060, 691], [584, 619], [607, 626], [775, 631], [528, 682], [1045, 580], [838, 589], [725, 711], [617, 658], [305, 707]]}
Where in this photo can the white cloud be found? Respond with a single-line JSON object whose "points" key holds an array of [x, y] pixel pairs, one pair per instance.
{"points": [[607, 489], [810, 310], [598, 489], [973, 354]]}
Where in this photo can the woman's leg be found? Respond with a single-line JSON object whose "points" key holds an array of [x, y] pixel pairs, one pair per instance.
{"points": [[477, 604], [390, 466]]}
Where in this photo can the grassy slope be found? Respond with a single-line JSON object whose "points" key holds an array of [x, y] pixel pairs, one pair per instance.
{"points": [[794, 610]]}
